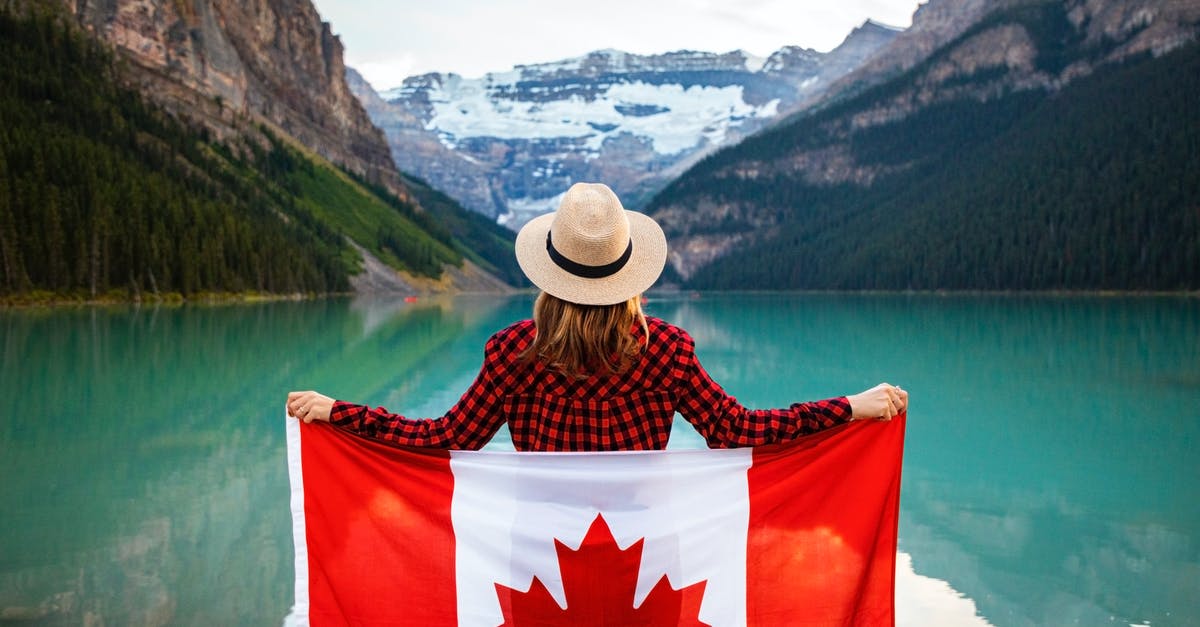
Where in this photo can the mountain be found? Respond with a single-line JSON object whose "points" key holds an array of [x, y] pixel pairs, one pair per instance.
{"points": [[1039, 145], [124, 179], [510, 143]]}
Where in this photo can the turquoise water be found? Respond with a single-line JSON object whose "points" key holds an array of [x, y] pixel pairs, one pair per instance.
{"points": [[1050, 476]]}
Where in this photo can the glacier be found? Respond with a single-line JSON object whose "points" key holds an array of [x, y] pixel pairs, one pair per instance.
{"points": [[688, 116]]}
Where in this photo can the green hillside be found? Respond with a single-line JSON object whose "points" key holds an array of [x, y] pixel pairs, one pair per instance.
{"points": [[1091, 187], [103, 195], [490, 245]]}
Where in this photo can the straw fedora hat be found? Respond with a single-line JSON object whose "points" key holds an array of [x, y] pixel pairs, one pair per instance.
{"points": [[592, 251]]}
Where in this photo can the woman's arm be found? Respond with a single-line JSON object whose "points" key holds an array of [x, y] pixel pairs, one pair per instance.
{"points": [[468, 425], [725, 423]]}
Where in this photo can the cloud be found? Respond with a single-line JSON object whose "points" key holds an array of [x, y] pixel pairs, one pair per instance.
{"points": [[387, 41], [385, 73]]}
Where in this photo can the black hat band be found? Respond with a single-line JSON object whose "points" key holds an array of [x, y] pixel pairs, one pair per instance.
{"points": [[586, 271]]}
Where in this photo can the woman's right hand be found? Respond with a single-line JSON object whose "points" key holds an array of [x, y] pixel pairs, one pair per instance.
{"points": [[309, 406], [883, 402]]}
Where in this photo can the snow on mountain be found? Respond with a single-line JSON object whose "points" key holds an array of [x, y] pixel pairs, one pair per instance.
{"points": [[510, 143], [673, 117]]}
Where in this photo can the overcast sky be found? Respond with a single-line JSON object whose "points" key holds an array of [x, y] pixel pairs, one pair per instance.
{"points": [[387, 41]]}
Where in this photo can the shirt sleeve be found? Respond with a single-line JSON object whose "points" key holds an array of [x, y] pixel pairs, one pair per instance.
{"points": [[725, 423], [468, 425]]}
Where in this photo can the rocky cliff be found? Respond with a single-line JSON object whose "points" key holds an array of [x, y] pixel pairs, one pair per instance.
{"points": [[510, 143], [230, 65], [975, 36]]}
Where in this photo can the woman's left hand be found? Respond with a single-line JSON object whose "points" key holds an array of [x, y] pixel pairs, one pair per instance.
{"points": [[883, 402], [309, 406]]}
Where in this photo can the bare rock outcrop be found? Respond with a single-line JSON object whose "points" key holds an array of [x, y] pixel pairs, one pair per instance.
{"points": [[230, 65]]}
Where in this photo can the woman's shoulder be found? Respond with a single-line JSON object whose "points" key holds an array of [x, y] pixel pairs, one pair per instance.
{"points": [[662, 330], [517, 335]]}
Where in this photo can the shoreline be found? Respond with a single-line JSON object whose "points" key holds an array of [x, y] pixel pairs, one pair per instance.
{"points": [[941, 292], [51, 300]]}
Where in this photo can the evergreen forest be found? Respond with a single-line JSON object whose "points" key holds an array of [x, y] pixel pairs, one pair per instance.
{"points": [[490, 245]]}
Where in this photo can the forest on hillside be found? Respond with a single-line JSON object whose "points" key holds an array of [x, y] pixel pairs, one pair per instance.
{"points": [[479, 238], [1092, 187], [103, 195]]}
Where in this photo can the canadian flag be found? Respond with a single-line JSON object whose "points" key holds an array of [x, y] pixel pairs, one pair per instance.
{"points": [[796, 534]]}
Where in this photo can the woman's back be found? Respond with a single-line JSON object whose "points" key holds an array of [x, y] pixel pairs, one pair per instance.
{"points": [[547, 409]]}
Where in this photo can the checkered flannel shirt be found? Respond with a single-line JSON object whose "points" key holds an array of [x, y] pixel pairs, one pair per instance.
{"points": [[549, 411]]}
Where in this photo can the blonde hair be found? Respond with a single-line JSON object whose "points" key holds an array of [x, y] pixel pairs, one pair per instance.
{"points": [[582, 340]]}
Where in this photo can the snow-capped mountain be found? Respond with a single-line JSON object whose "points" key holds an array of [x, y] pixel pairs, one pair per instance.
{"points": [[510, 143]]}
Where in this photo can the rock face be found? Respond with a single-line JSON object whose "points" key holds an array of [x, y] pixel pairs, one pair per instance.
{"points": [[955, 50], [231, 64], [510, 143], [982, 50], [934, 24], [1101, 31]]}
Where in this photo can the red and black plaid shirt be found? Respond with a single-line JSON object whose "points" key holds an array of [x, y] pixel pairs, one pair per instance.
{"points": [[549, 411]]}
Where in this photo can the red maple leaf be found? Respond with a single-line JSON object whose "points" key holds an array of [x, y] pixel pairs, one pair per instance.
{"points": [[599, 579]]}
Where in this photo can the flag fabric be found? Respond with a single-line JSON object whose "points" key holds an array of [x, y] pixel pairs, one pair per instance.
{"points": [[802, 533]]}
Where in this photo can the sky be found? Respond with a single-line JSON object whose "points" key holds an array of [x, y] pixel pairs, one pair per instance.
{"points": [[387, 41]]}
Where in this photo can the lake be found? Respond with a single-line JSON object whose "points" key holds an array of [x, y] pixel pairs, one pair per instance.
{"points": [[1051, 474]]}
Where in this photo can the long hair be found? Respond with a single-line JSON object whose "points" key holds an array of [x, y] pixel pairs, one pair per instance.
{"points": [[582, 340]]}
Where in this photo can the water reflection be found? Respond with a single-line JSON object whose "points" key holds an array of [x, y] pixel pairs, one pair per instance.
{"points": [[1050, 473], [1049, 468], [922, 600], [142, 448]]}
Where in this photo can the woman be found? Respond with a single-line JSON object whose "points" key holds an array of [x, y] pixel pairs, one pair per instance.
{"points": [[590, 372]]}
